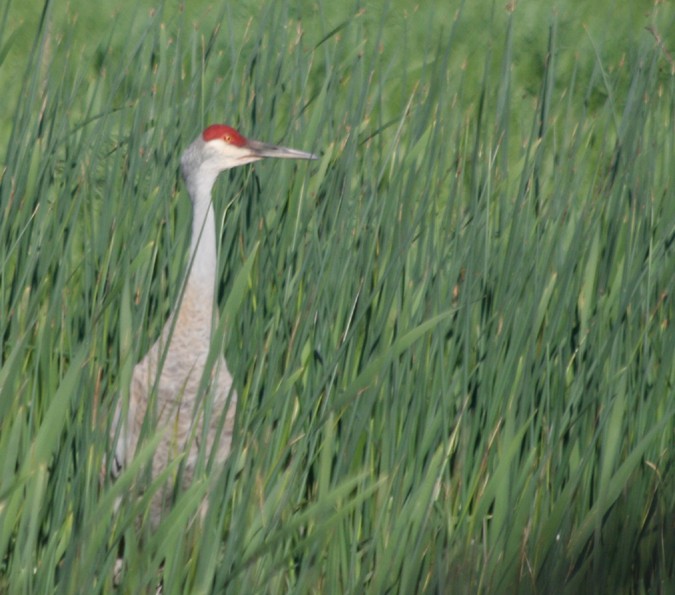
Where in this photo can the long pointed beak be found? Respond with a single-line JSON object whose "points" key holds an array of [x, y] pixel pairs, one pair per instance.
{"points": [[261, 150]]}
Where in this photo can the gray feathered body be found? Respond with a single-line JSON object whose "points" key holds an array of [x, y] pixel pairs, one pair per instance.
{"points": [[178, 409], [172, 379]]}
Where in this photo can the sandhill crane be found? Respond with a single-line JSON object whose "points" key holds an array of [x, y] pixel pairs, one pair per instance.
{"points": [[180, 354]]}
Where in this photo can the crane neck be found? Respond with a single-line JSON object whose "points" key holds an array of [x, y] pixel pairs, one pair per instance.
{"points": [[200, 284]]}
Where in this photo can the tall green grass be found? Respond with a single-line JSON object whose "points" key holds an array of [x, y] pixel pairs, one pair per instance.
{"points": [[451, 336]]}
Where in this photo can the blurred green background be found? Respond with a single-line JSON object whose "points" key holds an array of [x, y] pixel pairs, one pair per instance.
{"points": [[451, 336]]}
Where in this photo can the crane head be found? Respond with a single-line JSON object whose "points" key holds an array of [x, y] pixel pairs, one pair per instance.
{"points": [[228, 148]]}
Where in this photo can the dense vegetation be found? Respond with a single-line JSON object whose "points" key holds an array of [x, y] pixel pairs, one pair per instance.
{"points": [[451, 336]]}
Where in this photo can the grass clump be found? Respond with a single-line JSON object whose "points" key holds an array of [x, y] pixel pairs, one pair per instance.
{"points": [[451, 336]]}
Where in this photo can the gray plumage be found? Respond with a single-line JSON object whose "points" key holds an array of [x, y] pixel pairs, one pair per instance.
{"points": [[177, 362]]}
